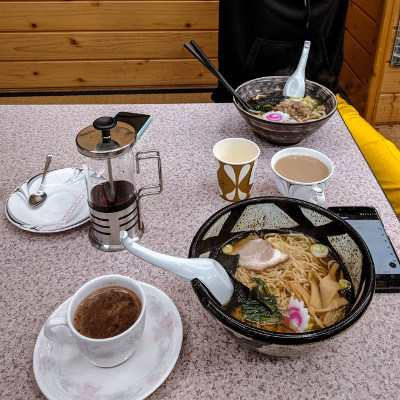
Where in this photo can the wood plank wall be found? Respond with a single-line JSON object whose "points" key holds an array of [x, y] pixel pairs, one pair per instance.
{"points": [[388, 107], [368, 80], [82, 45], [386, 112], [359, 47]]}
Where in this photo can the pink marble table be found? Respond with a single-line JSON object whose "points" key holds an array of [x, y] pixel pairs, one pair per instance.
{"points": [[40, 271]]}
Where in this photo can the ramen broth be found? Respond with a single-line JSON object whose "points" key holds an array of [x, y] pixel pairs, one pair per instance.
{"points": [[310, 281], [277, 108], [302, 168]]}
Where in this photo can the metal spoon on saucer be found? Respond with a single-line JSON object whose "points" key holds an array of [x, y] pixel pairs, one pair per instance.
{"points": [[35, 199]]}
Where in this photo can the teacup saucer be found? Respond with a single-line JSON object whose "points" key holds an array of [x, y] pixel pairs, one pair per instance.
{"points": [[65, 207], [62, 373]]}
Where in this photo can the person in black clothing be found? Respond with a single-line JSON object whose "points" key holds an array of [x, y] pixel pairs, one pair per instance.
{"points": [[265, 37]]}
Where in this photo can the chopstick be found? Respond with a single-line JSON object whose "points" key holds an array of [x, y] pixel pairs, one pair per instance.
{"points": [[199, 54], [194, 53]]}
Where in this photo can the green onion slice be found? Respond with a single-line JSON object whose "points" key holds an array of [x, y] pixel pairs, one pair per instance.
{"points": [[319, 250]]}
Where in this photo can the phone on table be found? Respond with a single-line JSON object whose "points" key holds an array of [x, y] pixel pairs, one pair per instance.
{"points": [[366, 221], [138, 121]]}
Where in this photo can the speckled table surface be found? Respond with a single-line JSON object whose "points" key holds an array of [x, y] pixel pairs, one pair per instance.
{"points": [[40, 271]]}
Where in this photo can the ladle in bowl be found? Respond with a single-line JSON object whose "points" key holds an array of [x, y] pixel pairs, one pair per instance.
{"points": [[209, 271]]}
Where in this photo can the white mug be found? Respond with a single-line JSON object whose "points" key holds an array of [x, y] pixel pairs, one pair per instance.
{"points": [[107, 352], [313, 192]]}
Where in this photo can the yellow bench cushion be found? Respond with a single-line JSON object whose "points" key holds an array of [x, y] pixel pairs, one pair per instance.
{"points": [[381, 154]]}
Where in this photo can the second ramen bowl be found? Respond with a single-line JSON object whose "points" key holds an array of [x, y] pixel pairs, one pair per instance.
{"points": [[285, 215], [284, 133]]}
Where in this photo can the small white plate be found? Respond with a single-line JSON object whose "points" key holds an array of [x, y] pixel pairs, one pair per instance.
{"points": [[65, 207], [63, 374]]}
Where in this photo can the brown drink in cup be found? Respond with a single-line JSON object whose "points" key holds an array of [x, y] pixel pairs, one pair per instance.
{"points": [[107, 312], [106, 319]]}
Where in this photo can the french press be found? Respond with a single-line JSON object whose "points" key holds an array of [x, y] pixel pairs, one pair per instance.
{"points": [[110, 168]]}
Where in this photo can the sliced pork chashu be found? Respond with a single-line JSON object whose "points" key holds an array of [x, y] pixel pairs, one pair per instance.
{"points": [[258, 255]]}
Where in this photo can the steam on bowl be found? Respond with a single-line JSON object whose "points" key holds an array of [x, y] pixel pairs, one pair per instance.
{"points": [[283, 215], [284, 133]]}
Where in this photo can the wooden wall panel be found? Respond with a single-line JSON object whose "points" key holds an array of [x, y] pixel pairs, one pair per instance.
{"points": [[353, 87], [371, 25], [109, 73], [58, 45], [372, 8], [361, 26], [356, 57], [388, 108], [98, 15], [381, 49], [358, 49], [394, 30], [104, 45], [392, 39], [391, 80]]}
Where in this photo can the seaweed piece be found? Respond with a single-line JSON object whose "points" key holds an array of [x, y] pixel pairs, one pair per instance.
{"points": [[266, 103], [261, 306]]}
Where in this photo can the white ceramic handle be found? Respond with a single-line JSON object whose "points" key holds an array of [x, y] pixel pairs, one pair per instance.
{"points": [[320, 195], [295, 85], [304, 56], [207, 270], [57, 337]]}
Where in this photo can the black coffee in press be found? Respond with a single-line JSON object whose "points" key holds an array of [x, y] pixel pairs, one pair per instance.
{"points": [[107, 312], [100, 196]]}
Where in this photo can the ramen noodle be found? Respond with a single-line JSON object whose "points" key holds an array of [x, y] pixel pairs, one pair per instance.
{"points": [[309, 275], [289, 110]]}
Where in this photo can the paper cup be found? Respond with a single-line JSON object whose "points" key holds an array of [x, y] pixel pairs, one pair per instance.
{"points": [[236, 161]]}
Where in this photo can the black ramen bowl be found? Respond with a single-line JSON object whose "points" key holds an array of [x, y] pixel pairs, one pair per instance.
{"points": [[284, 133], [271, 214]]}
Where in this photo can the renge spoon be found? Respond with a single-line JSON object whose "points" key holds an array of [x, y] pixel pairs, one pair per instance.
{"points": [[225, 288], [295, 85]]}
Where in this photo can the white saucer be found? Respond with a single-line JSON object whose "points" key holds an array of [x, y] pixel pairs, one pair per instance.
{"points": [[65, 207], [62, 373]]}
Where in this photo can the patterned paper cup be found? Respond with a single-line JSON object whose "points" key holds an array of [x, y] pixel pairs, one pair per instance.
{"points": [[236, 161]]}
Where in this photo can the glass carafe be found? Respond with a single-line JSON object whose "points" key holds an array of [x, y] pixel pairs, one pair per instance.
{"points": [[110, 168]]}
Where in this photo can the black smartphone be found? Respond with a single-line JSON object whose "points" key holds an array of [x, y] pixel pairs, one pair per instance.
{"points": [[138, 121], [366, 221]]}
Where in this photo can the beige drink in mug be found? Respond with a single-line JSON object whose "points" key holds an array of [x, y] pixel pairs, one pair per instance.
{"points": [[302, 173]]}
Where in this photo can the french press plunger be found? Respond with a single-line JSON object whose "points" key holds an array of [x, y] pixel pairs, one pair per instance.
{"points": [[110, 167]]}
